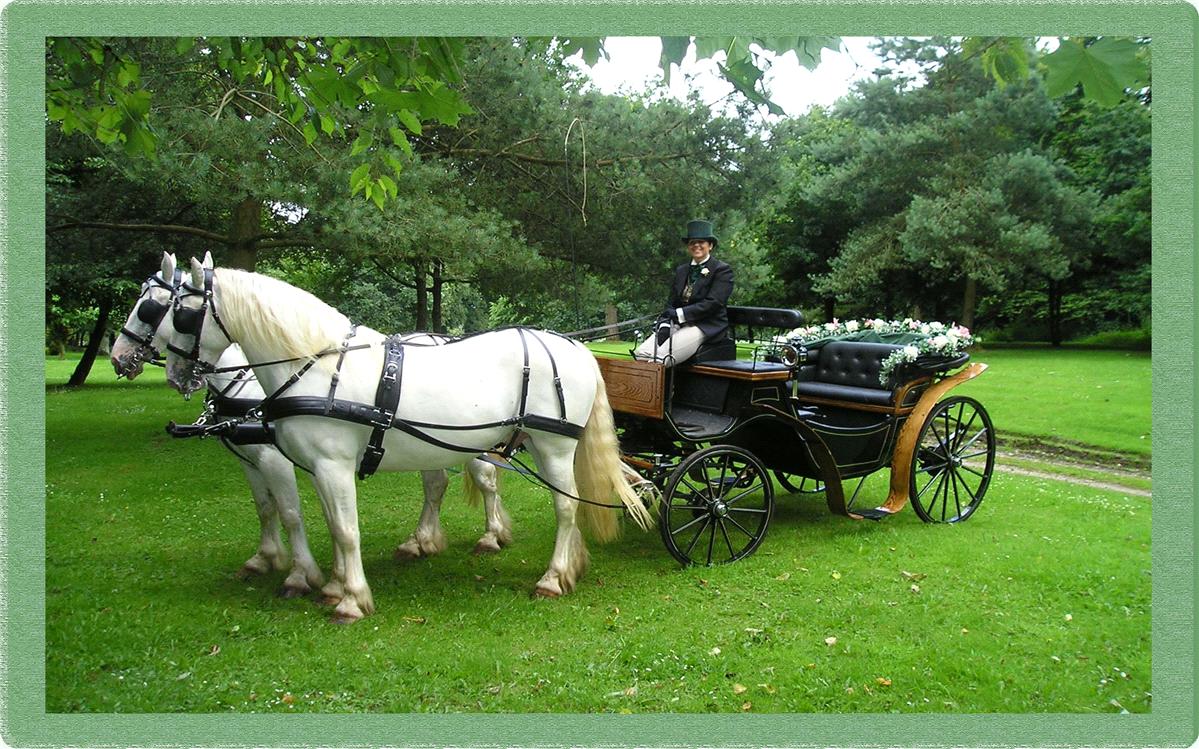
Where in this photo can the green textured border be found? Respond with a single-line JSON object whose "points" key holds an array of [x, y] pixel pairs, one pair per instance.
{"points": [[22, 407]]}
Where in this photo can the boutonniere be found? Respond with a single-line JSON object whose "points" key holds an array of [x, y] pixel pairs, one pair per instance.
{"points": [[704, 272]]}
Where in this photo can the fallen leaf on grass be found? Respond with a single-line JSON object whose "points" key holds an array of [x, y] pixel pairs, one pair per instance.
{"points": [[784, 576], [769, 689], [714, 651], [288, 699], [184, 675], [836, 575], [883, 681], [214, 650], [414, 619], [1068, 617], [746, 706], [740, 689], [830, 641], [630, 692], [915, 588], [913, 575]]}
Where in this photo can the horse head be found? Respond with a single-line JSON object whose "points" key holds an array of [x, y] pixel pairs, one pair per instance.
{"points": [[147, 326], [197, 338]]}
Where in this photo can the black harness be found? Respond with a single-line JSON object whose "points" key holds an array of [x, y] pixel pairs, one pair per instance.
{"points": [[151, 312], [380, 416]]}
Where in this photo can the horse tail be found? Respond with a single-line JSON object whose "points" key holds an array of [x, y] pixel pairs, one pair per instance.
{"points": [[470, 490], [599, 471]]}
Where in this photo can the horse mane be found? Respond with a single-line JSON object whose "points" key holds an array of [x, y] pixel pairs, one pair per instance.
{"points": [[276, 318]]}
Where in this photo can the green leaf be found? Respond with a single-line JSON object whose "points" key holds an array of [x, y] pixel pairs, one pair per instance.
{"points": [[389, 185], [309, 132], [184, 45], [361, 143], [378, 195], [140, 141], [360, 178], [706, 46], [744, 76], [410, 120], [674, 51], [592, 48], [327, 124], [1103, 70]]}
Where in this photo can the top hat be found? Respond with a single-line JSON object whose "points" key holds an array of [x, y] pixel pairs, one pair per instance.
{"points": [[700, 230]]}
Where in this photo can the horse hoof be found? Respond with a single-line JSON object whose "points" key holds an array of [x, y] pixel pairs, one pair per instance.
{"points": [[328, 600], [546, 592], [343, 619], [292, 591], [403, 554], [247, 572], [486, 546]]}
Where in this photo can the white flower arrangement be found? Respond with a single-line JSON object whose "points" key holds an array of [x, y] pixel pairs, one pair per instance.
{"points": [[935, 339]]}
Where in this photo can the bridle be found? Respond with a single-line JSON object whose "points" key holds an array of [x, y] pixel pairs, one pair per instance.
{"points": [[150, 312], [190, 320]]}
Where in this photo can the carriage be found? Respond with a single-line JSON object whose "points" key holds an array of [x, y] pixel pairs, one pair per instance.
{"points": [[714, 435]]}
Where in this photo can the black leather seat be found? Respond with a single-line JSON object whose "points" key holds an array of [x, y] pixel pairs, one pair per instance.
{"points": [[848, 370]]}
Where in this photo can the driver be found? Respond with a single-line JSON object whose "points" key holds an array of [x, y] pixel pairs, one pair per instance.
{"points": [[696, 310]]}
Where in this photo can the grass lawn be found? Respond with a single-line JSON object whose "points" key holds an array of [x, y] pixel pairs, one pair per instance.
{"points": [[1040, 603]]}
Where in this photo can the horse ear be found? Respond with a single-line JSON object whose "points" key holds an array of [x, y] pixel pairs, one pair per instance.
{"points": [[168, 266], [208, 263], [197, 273]]}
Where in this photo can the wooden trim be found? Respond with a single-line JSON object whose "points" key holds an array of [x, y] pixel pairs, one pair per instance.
{"points": [[905, 445], [738, 374], [634, 387]]}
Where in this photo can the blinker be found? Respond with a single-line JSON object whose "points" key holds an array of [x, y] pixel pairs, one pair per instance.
{"points": [[151, 312], [187, 320]]}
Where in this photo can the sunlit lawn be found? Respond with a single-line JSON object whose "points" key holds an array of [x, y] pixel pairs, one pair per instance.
{"points": [[1041, 602]]}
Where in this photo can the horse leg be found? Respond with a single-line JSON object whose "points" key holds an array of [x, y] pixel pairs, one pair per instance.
{"points": [[270, 554], [499, 526], [332, 591], [334, 483], [280, 476], [570, 557], [428, 538]]}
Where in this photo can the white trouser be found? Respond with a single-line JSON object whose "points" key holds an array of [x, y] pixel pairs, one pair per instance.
{"points": [[682, 344]]}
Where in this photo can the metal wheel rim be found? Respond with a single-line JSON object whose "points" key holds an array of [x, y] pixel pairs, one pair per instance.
{"points": [[716, 507], [953, 461], [806, 485]]}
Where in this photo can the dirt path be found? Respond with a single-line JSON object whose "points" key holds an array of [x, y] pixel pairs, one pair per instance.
{"points": [[1080, 481]]}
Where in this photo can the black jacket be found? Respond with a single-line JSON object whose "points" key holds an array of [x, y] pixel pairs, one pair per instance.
{"points": [[708, 308]]}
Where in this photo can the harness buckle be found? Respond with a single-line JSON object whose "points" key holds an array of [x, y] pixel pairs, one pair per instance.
{"points": [[389, 372], [382, 419]]}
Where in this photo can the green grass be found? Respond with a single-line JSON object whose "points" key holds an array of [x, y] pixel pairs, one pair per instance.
{"points": [[1013, 611]]}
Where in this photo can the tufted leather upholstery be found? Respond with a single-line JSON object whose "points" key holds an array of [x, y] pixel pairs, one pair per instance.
{"points": [[852, 363], [848, 370]]}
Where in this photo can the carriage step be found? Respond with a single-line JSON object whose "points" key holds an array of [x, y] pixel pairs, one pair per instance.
{"points": [[874, 513]]}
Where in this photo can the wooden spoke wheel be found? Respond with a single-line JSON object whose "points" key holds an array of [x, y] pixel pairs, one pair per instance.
{"points": [[716, 506], [953, 461], [799, 484]]}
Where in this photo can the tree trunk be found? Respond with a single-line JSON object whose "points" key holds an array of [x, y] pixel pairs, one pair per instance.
{"points": [[438, 324], [968, 300], [247, 223], [830, 305], [610, 315], [79, 376], [422, 295], [1055, 313]]}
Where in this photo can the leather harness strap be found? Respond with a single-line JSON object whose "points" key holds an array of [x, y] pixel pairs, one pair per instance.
{"points": [[387, 399]]}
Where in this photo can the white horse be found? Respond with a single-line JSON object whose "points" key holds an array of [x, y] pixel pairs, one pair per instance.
{"points": [[271, 475], [463, 397]]}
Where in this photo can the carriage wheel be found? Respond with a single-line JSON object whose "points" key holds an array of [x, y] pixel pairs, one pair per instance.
{"points": [[716, 506], [953, 461], [806, 485]]}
